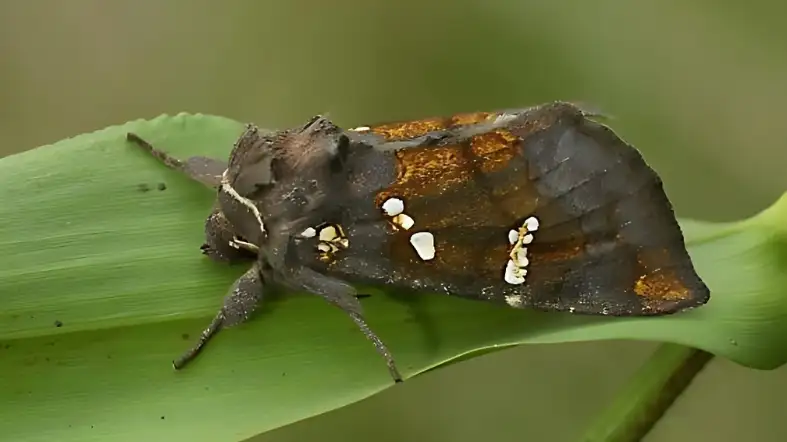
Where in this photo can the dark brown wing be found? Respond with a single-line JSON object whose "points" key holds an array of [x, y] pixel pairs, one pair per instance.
{"points": [[606, 242]]}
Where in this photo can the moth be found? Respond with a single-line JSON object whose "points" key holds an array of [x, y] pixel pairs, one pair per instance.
{"points": [[542, 208]]}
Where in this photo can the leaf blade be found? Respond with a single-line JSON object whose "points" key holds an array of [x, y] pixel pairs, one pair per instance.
{"points": [[124, 276]]}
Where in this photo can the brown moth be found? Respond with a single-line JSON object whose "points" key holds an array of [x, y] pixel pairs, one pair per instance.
{"points": [[540, 208]]}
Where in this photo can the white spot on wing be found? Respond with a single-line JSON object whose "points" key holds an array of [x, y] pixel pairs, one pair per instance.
{"points": [[328, 233], [309, 232], [393, 206], [513, 275], [521, 257], [404, 221], [516, 267], [423, 243], [361, 129]]}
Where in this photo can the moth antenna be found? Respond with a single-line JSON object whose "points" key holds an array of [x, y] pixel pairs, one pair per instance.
{"points": [[207, 171], [164, 157]]}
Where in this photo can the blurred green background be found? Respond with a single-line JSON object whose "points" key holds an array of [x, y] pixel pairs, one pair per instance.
{"points": [[698, 86]]}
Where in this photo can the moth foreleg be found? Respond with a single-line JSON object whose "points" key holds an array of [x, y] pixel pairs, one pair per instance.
{"points": [[244, 297], [344, 296], [206, 170], [221, 242]]}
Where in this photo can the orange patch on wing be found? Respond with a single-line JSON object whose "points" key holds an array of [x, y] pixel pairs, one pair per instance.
{"points": [[471, 118], [426, 169], [409, 129], [495, 149], [657, 282], [561, 253], [405, 130], [661, 286]]}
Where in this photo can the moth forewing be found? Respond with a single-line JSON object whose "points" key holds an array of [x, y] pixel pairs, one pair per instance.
{"points": [[593, 231]]}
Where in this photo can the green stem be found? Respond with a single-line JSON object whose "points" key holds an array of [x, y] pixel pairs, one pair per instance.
{"points": [[648, 394]]}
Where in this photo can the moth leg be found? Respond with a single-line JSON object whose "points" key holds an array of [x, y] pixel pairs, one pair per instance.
{"points": [[343, 295], [221, 243], [206, 170], [244, 297]]}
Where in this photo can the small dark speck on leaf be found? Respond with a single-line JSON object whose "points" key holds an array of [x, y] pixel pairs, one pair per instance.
{"points": [[7, 346], [161, 186], [142, 187], [58, 323], [185, 336], [162, 417]]}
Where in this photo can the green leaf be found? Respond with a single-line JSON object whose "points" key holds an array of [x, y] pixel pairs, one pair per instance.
{"points": [[88, 239]]}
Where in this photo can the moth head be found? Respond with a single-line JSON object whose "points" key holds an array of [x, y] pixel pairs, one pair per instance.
{"points": [[274, 178]]}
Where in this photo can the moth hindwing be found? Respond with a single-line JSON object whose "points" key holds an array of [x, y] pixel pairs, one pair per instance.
{"points": [[539, 208]]}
